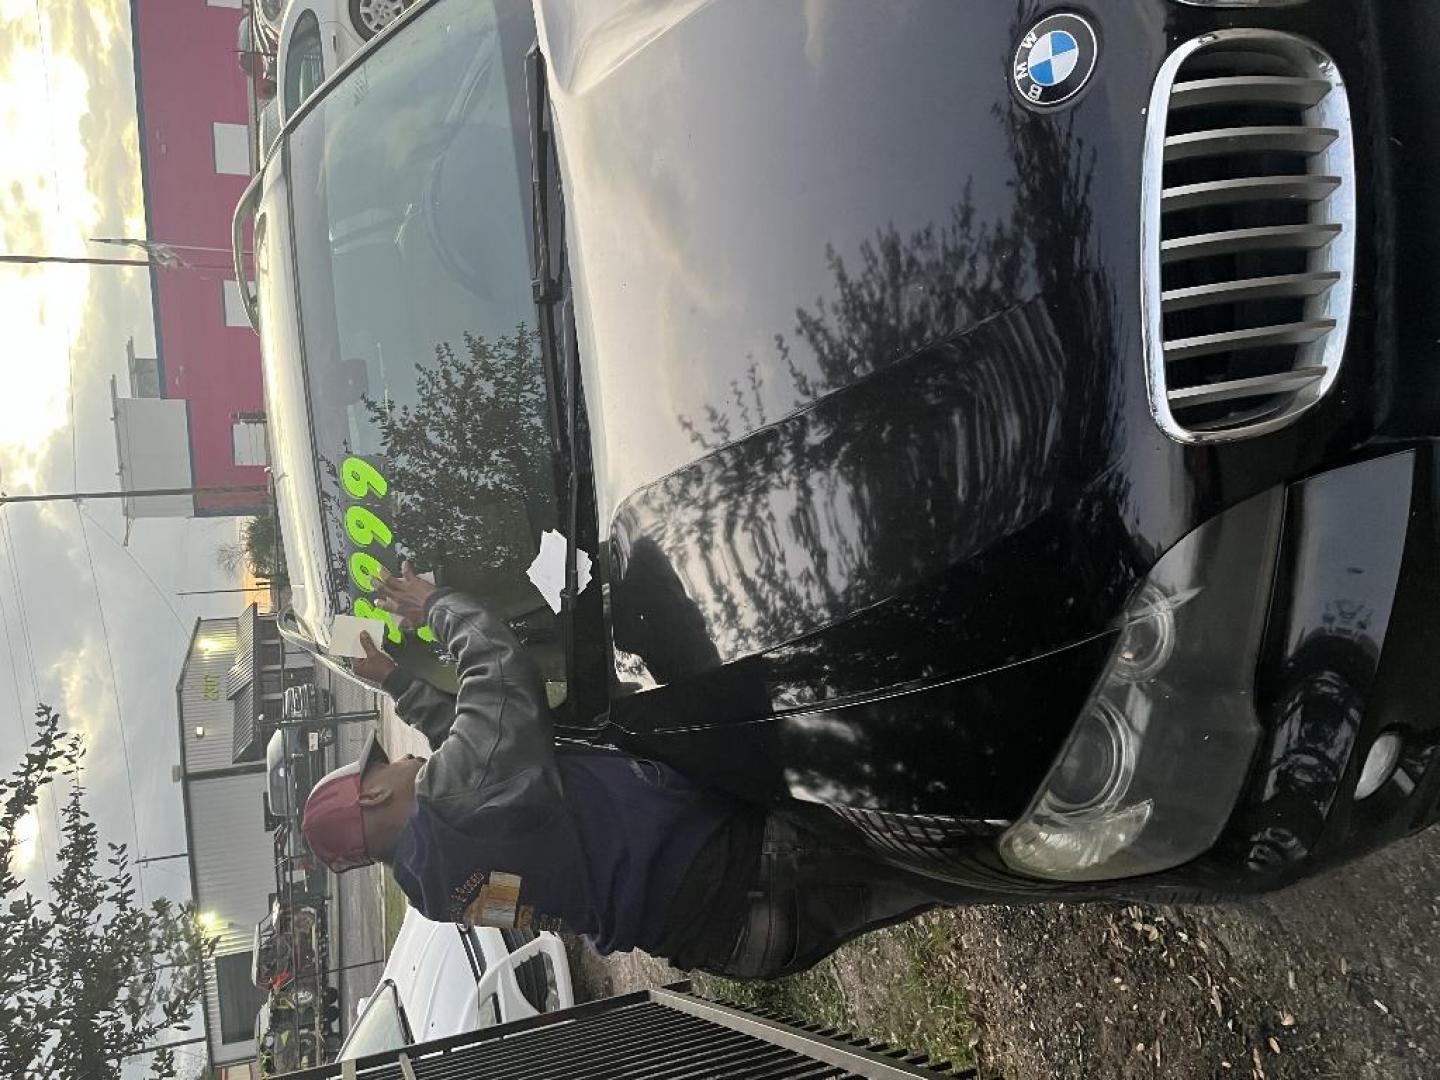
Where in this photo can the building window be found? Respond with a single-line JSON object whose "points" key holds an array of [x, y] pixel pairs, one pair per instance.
{"points": [[249, 443], [232, 149], [234, 306]]}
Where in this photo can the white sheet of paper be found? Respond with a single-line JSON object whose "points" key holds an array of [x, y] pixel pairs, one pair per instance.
{"points": [[345, 633], [547, 572]]}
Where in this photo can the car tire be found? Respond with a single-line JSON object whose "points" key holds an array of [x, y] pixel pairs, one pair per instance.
{"points": [[312, 1050], [369, 17]]}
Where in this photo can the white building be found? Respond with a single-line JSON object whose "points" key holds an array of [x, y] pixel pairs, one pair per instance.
{"points": [[234, 674]]}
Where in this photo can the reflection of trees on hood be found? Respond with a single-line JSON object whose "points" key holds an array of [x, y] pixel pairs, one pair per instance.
{"points": [[906, 292], [766, 574], [947, 397], [941, 485], [468, 459]]}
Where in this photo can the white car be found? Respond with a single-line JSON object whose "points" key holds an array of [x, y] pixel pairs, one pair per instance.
{"points": [[270, 14], [317, 36], [442, 979]]}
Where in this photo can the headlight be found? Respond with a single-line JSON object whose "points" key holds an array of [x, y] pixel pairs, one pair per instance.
{"points": [[1242, 3], [1156, 761]]}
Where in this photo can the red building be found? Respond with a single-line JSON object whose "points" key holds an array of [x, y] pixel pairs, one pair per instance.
{"points": [[194, 107]]}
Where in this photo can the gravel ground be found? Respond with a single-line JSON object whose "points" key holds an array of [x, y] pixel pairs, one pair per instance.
{"points": [[1333, 978]]}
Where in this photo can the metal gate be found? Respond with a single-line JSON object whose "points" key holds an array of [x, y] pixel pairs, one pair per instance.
{"points": [[650, 1035]]}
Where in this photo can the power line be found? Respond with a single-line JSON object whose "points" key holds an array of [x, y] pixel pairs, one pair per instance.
{"points": [[29, 736], [115, 694], [138, 566], [12, 565], [74, 453], [19, 587]]}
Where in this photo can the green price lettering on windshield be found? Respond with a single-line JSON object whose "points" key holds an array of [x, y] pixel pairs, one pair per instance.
{"points": [[364, 569], [366, 529], [365, 610], [361, 479]]}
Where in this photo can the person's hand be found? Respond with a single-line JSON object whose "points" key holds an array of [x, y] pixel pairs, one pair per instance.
{"points": [[405, 595], [376, 666]]}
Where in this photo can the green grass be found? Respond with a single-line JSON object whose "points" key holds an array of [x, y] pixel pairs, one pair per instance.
{"points": [[395, 907], [899, 986]]}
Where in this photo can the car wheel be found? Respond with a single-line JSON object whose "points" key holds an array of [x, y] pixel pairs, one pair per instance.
{"points": [[369, 17], [312, 1052]]}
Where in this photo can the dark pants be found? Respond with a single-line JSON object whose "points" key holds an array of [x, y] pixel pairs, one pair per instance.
{"points": [[812, 896]]}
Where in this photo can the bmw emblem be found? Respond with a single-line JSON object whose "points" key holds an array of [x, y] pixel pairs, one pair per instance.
{"points": [[1055, 60]]}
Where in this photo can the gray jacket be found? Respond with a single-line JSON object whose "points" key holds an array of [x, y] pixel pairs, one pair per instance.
{"points": [[493, 746]]}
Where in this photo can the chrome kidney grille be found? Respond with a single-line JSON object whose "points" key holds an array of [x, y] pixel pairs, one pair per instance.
{"points": [[1247, 234]]}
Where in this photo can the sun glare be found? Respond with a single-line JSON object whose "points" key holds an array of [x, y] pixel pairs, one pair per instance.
{"points": [[27, 840]]}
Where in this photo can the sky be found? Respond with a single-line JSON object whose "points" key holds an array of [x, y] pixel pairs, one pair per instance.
{"points": [[69, 169]]}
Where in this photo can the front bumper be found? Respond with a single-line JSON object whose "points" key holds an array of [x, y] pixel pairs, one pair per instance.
{"points": [[1347, 655], [1350, 655]]}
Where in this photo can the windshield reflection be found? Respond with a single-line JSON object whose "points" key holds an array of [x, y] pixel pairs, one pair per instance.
{"points": [[410, 203]]}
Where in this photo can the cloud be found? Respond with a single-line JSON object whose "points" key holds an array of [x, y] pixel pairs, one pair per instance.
{"points": [[70, 170]]}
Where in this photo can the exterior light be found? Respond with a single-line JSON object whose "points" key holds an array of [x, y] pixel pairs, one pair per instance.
{"points": [[199, 731]]}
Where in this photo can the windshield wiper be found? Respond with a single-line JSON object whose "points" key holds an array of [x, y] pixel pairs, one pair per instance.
{"points": [[558, 351]]}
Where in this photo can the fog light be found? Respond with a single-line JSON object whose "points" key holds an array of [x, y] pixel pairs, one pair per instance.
{"points": [[1379, 764]]}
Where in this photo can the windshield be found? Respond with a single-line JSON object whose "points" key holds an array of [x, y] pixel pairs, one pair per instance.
{"points": [[410, 202], [381, 1027]]}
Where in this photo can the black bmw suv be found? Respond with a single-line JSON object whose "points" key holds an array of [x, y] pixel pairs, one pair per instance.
{"points": [[1004, 433]]}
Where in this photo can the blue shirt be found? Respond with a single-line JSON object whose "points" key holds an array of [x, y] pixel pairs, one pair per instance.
{"points": [[605, 860]]}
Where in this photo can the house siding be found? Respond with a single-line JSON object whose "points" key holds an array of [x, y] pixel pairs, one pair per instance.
{"points": [[235, 873]]}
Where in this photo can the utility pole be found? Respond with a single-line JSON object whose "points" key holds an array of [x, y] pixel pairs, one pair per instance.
{"points": [[259, 586], [161, 858], [69, 260], [138, 493], [165, 1046]]}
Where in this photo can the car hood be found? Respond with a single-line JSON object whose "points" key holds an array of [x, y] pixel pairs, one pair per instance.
{"points": [[850, 318], [433, 977]]}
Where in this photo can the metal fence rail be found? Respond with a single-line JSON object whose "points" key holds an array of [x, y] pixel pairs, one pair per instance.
{"points": [[651, 1035]]}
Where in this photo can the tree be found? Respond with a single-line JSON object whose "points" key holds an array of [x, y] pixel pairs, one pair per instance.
{"points": [[87, 977], [259, 551], [469, 460]]}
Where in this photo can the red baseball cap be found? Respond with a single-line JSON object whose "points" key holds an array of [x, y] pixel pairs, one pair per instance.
{"points": [[333, 822]]}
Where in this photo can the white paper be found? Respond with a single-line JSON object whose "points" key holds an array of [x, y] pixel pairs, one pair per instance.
{"points": [[547, 572], [345, 631]]}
